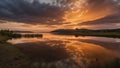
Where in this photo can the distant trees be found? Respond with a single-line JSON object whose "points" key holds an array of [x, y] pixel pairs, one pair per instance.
{"points": [[87, 32], [12, 34], [9, 34], [32, 35]]}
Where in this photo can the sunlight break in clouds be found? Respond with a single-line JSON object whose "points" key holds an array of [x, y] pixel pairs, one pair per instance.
{"points": [[89, 10]]}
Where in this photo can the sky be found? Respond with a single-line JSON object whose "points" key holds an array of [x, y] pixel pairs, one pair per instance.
{"points": [[48, 15]]}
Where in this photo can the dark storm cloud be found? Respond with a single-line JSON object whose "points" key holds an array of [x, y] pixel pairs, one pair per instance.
{"points": [[35, 12]]}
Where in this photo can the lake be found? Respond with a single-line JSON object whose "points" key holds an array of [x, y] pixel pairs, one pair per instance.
{"points": [[61, 51]]}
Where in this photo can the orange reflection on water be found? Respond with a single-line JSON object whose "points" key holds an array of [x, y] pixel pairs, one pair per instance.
{"points": [[85, 54], [70, 50]]}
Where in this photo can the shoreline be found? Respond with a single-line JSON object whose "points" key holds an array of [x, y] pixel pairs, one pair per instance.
{"points": [[85, 32]]}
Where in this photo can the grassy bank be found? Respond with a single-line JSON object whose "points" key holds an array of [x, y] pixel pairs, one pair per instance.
{"points": [[10, 56], [114, 63], [3, 38]]}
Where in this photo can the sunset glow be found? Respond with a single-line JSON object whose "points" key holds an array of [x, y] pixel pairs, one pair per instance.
{"points": [[55, 14], [59, 33]]}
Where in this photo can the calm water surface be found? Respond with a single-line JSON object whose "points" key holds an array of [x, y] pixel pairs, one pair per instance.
{"points": [[70, 51]]}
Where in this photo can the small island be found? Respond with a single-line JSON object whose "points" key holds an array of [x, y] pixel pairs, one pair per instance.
{"points": [[87, 32], [14, 34]]}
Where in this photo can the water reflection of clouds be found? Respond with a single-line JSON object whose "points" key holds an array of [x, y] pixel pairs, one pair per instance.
{"points": [[70, 51], [112, 46], [24, 40], [73, 53], [86, 53], [118, 40], [46, 51]]}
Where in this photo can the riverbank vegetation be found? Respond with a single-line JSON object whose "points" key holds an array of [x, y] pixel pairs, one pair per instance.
{"points": [[32, 35], [11, 34], [87, 32], [11, 56]]}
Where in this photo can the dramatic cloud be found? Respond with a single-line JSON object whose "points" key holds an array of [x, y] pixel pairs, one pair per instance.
{"points": [[54, 12], [108, 21], [30, 11], [91, 10], [34, 11]]}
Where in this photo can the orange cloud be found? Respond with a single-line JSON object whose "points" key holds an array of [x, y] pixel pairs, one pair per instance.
{"points": [[88, 11]]}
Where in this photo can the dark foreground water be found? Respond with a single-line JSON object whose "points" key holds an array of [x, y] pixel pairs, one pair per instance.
{"points": [[60, 51]]}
